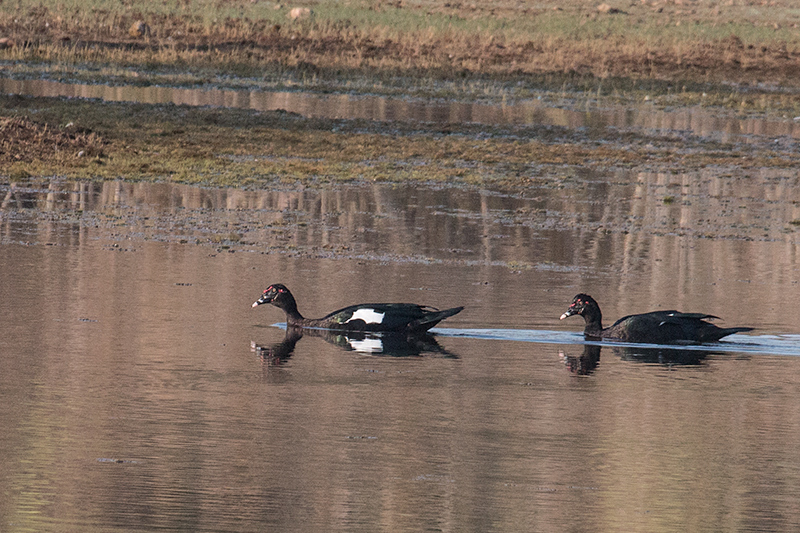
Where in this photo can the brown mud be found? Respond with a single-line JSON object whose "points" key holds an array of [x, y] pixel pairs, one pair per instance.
{"points": [[79, 139], [23, 141]]}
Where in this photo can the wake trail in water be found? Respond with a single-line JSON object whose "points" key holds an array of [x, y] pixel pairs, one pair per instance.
{"points": [[755, 344]]}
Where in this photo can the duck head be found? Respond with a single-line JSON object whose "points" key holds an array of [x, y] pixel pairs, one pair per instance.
{"points": [[279, 296], [581, 305]]}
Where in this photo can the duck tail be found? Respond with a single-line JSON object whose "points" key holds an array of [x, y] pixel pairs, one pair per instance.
{"points": [[724, 332], [431, 319]]}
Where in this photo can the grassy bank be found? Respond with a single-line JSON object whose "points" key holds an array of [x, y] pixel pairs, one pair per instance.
{"points": [[230, 147], [676, 53], [742, 41]]}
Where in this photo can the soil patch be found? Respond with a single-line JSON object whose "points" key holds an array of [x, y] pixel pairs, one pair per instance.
{"points": [[23, 141]]}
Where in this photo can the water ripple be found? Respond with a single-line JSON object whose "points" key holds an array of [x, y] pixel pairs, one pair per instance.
{"points": [[788, 344]]}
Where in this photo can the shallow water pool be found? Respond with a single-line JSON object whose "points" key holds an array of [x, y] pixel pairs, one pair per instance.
{"points": [[140, 391]]}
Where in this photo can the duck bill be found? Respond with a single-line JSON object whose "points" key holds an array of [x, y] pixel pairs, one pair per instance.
{"points": [[569, 313], [263, 300]]}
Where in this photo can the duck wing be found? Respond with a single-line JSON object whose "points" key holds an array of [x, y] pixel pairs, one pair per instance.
{"points": [[652, 319], [676, 317], [668, 327], [375, 317]]}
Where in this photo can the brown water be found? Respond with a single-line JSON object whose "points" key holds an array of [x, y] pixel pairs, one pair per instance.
{"points": [[133, 400], [704, 122]]}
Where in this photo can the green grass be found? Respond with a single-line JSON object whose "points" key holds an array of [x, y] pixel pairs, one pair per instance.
{"points": [[79, 139]]}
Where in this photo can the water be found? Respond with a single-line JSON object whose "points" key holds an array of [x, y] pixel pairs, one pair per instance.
{"points": [[708, 123], [141, 392]]}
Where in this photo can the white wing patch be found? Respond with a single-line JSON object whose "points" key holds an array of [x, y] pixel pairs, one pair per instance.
{"points": [[370, 316]]}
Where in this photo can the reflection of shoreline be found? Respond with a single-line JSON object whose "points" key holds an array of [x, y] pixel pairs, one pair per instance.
{"points": [[629, 212], [695, 120]]}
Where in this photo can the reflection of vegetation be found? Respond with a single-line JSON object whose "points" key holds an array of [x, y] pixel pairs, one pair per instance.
{"points": [[462, 227]]}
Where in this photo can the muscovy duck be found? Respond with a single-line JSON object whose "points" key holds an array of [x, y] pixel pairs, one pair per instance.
{"points": [[408, 318], [658, 327]]}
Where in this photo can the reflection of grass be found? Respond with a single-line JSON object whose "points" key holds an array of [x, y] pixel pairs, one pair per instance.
{"points": [[519, 265], [564, 41]]}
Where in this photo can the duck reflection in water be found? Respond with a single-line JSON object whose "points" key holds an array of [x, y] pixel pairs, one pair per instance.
{"points": [[279, 352], [583, 364], [662, 356], [385, 343], [587, 362]]}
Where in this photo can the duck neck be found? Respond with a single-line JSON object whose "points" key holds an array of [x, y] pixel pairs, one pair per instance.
{"points": [[294, 319], [293, 316], [594, 323]]}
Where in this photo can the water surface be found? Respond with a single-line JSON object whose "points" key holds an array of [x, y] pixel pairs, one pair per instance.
{"points": [[142, 392], [643, 118]]}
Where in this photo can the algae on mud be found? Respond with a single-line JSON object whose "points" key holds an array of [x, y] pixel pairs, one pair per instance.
{"points": [[242, 148]]}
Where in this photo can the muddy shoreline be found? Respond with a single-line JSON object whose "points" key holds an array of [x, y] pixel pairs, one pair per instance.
{"points": [[85, 139], [672, 120], [60, 156]]}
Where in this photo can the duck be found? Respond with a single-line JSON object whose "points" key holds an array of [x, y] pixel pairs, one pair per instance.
{"points": [[657, 327], [383, 317]]}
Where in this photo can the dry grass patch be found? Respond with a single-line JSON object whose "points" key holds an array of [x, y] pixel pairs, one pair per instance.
{"points": [[746, 42]]}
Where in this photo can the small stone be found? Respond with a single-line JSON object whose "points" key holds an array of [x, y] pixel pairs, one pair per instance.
{"points": [[139, 29], [297, 13], [605, 8]]}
